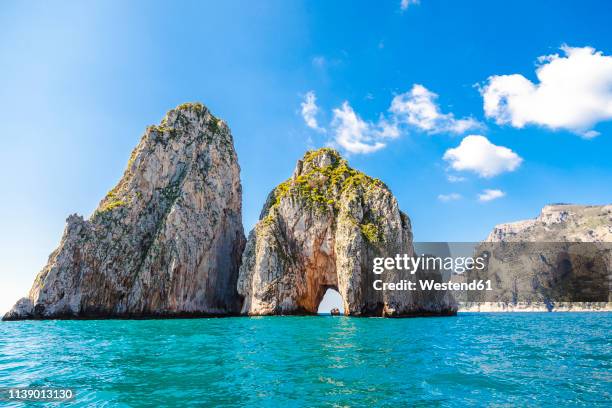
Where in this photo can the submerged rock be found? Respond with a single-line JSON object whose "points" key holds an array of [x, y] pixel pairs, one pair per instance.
{"points": [[322, 229], [166, 241]]}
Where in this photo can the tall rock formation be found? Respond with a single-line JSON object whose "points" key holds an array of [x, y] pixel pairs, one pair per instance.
{"points": [[166, 241], [322, 229], [561, 260]]}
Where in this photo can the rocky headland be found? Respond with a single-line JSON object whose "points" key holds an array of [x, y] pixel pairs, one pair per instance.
{"points": [[559, 223], [559, 261]]}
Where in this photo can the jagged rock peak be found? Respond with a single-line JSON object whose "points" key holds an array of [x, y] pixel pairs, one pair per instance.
{"points": [[165, 241], [321, 229]]}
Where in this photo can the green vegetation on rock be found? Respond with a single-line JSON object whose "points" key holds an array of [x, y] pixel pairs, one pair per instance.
{"points": [[323, 180], [114, 204], [111, 201], [214, 124], [163, 129], [370, 232], [196, 106], [323, 185]]}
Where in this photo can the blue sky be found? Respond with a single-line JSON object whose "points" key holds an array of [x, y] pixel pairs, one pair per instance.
{"points": [[80, 82]]}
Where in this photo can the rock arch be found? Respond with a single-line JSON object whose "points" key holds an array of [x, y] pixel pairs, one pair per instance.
{"points": [[322, 228], [331, 300]]}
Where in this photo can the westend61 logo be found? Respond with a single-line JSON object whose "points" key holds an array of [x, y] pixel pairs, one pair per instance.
{"points": [[428, 265]]}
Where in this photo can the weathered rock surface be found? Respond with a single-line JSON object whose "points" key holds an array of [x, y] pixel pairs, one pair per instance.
{"points": [[166, 241], [321, 229], [560, 260], [560, 223]]}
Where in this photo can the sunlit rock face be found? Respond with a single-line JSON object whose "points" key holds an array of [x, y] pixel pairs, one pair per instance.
{"points": [[559, 223], [165, 241], [560, 260], [321, 229]]}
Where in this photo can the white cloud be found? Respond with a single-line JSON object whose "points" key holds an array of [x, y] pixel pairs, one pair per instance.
{"points": [[418, 108], [319, 61], [476, 153], [358, 136], [455, 179], [405, 3], [489, 195], [310, 111], [413, 109], [449, 197], [573, 92]]}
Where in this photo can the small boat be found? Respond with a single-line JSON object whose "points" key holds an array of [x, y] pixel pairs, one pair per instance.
{"points": [[335, 311]]}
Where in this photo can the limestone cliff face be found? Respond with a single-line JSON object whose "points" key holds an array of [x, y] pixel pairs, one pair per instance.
{"points": [[165, 241], [560, 222], [562, 258], [321, 229]]}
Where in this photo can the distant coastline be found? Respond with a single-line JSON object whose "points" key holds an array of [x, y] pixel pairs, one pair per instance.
{"points": [[484, 307]]}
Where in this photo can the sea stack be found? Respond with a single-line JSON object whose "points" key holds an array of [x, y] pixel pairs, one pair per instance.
{"points": [[166, 241], [321, 229]]}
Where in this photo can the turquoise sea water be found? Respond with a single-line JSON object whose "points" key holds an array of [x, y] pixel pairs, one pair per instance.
{"points": [[531, 359]]}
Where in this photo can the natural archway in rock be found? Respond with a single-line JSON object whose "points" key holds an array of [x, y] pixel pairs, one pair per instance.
{"points": [[331, 300], [322, 228]]}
